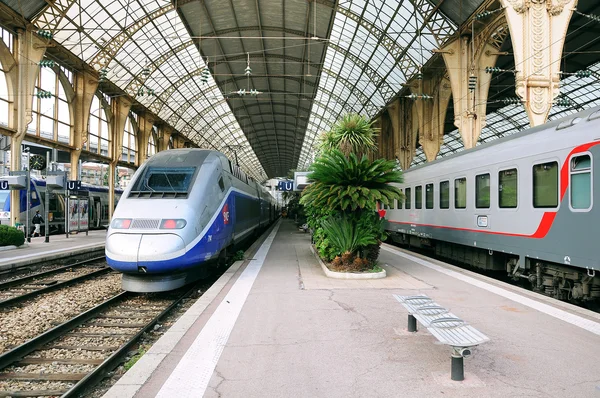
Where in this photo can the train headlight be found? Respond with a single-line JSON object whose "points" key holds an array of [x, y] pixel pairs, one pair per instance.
{"points": [[172, 224], [121, 223]]}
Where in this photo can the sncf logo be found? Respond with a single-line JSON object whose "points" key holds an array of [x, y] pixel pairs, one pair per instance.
{"points": [[225, 213]]}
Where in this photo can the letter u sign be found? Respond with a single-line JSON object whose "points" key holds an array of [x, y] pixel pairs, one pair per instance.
{"points": [[4, 185]]}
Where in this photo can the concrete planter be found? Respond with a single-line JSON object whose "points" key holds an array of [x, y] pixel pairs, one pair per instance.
{"points": [[347, 275]]}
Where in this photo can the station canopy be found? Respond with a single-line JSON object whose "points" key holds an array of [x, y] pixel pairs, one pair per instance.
{"points": [[279, 71]]}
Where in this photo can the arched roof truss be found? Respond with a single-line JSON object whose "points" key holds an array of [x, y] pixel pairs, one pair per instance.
{"points": [[312, 61]]}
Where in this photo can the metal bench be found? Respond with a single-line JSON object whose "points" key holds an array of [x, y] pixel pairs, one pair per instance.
{"points": [[445, 326]]}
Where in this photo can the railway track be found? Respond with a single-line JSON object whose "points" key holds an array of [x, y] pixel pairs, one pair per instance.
{"points": [[27, 287], [73, 356]]}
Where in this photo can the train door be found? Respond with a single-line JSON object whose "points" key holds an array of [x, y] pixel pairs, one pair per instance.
{"points": [[95, 215]]}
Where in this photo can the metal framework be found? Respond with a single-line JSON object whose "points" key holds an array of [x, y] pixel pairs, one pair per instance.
{"points": [[311, 60]]}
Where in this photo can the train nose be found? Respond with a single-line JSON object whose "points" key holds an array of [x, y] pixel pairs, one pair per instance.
{"points": [[129, 250]]}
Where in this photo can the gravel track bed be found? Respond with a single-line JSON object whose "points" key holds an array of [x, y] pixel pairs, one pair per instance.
{"points": [[128, 321], [91, 341], [19, 385], [49, 368], [113, 331], [18, 324], [60, 277], [21, 273], [60, 353], [146, 342]]}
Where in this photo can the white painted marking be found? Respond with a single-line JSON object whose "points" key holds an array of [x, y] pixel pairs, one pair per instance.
{"points": [[575, 320], [66, 249], [191, 376]]}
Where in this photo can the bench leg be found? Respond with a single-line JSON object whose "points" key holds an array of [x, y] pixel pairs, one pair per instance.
{"points": [[412, 323], [457, 372]]}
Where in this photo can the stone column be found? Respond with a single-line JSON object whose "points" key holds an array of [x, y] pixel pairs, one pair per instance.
{"points": [[163, 142], [85, 86], [403, 118], [120, 111], [469, 105], [537, 30], [30, 50], [143, 137], [432, 113]]}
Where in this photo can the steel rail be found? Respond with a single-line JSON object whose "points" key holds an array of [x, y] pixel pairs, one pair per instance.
{"points": [[113, 360], [17, 353]]}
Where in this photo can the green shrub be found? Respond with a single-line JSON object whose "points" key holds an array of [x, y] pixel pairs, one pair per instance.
{"points": [[11, 236]]}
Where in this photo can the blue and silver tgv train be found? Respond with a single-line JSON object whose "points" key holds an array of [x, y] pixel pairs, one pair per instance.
{"points": [[182, 212]]}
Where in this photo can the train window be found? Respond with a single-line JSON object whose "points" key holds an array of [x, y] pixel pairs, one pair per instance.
{"points": [[581, 182], [445, 195], [460, 193], [482, 191], [507, 189], [418, 197], [429, 196], [392, 207], [407, 198], [545, 185], [400, 201]]}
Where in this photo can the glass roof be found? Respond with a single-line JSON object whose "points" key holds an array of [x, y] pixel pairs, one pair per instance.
{"points": [[373, 50], [145, 46], [511, 119]]}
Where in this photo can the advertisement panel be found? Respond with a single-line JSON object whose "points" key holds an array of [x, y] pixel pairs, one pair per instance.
{"points": [[73, 216], [83, 214]]}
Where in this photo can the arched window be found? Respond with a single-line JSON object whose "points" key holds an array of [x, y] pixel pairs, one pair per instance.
{"points": [[171, 145], [98, 139], [129, 142], [152, 141], [51, 116], [3, 100]]}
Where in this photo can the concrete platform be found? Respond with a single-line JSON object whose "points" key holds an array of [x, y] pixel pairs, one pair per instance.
{"points": [[59, 246], [277, 327]]}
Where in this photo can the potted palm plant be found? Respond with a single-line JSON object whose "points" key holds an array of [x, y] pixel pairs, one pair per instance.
{"points": [[341, 202]]}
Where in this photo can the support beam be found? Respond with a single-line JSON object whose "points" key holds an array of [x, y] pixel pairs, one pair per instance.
{"points": [[403, 117], [164, 137], [146, 122], [538, 30], [120, 111], [29, 51], [469, 105], [85, 85], [432, 113]]}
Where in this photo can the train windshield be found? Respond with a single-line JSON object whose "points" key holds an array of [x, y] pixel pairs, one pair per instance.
{"points": [[165, 179]]}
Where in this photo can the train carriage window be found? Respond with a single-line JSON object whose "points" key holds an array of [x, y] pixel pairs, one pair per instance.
{"points": [[392, 207], [545, 185], [429, 196], [400, 201], [482, 191], [445, 195], [418, 197], [507, 189], [581, 182], [460, 193], [407, 198]]}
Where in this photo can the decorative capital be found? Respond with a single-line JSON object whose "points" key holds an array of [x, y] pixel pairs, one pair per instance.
{"points": [[555, 7]]}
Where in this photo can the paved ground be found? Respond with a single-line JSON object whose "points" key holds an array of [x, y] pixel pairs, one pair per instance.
{"points": [[58, 245], [300, 334]]}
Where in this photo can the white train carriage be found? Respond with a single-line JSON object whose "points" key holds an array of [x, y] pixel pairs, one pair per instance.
{"points": [[524, 203]]}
